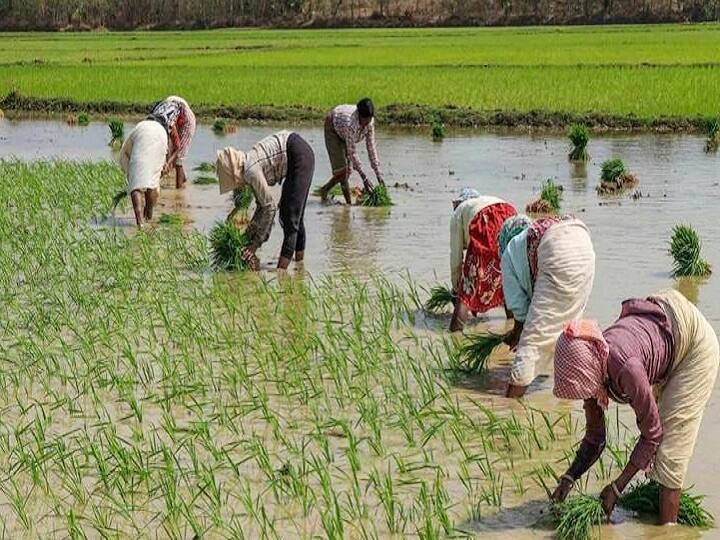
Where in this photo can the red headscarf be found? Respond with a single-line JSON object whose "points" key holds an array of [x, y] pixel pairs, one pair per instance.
{"points": [[581, 357]]}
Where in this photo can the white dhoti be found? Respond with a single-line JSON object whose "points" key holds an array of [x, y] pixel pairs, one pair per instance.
{"points": [[142, 156], [687, 388], [566, 269]]}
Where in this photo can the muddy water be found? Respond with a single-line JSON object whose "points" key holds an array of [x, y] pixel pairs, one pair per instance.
{"points": [[680, 184]]}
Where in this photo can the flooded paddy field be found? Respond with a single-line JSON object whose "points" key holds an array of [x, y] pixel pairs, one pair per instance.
{"points": [[144, 395]]}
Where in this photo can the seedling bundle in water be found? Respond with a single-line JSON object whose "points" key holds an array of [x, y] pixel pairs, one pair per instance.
{"points": [[685, 248], [377, 196], [614, 177], [475, 353], [228, 242], [577, 516], [205, 167], [438, 128], [205, 180], [222, 126], [644, 498], [117, 130], [440, 297], [83, 119], [712, 130], [579, 137], [549, 201]]}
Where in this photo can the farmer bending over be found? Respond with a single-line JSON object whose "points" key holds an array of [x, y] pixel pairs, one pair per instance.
{"points": [[283, 158], [345, 126], [663, 342], [476, 279], [175, 115]]}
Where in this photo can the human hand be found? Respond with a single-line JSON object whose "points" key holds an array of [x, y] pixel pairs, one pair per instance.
{"points": [[609, 498], [513, 338]]}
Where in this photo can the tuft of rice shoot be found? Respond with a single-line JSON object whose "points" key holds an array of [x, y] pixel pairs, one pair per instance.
{"points": [[171, 219], [685, 246], [644, 498], [117, 129], [440, 297], [712, 130], [612, 170], [579, 137], [242, 197], [614, 177], [438, 128], [475, 353], [205, 180], [205, 167], [117, 198], [377, 196], [549, 201], [83, 119], [578, 516], [227, 243], [221, 126]]}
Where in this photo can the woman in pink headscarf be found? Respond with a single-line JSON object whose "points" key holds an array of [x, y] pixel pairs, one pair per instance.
{"points": [[663, 342]]}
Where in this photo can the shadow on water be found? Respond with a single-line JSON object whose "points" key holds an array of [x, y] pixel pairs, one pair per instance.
{"points": [[534, 514]]}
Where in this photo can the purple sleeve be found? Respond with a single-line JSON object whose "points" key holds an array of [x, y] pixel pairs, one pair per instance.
{"points": [[594, 424], [634, 384]]}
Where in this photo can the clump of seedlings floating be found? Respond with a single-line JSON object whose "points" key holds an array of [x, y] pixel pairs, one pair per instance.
{"points": [[438, 128], [615, 178], [685, 247], [83, 119], [549, 201], [712, 131], [205, 167], [117, 131], [579, 137], [441, 296], [228, 242], [578, 516], [644, 498], [475, 352], [377, 196], [205, 180]]}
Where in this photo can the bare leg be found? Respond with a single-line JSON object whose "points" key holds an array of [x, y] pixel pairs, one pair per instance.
{"points": [[459, 317], [180, 177], [345, 185], [337, 178], [137, 200], [283, 263], [299, 256], [669, 505], [151, 197]]}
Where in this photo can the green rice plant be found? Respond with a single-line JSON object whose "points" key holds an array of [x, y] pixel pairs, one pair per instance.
{"points": [[440, 297], [205, 180], [579, 137], [549, 201], [612, 169], [243, 197], [685, 247], [83, 119], [170, 219], [614, 177], [377, 196], [712, 131], [118, 198], [438, 128], [227, 243], [117, 129], [475, 353], [205, 166], [644, 498], [578, 516], [220, 125]]}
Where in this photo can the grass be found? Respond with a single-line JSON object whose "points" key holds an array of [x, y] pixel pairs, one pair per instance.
{"points": [[644, 498], [227, 242], [440, 297], [378, 196], [143, 391], [475, 353], [579, 137], [657, 70], [578, 516], [685, 246]]}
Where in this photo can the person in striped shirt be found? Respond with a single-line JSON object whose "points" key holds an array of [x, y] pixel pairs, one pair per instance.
{"points": [[177, 118], [345, 126]]}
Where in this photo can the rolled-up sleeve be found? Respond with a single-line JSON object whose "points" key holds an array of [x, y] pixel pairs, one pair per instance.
{"points": [[260, 225], [517, 298], [634, 384], [457, 233]]}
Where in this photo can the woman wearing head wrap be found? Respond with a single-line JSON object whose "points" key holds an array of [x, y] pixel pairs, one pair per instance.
{"points": [[663, 342], [547, 274], [476, 278], [283, 158], [175, 115]]}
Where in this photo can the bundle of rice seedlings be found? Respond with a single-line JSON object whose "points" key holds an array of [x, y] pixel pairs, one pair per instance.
{"points": [[644, 498], [117, 129], [685, 248], [549, 201], [242, 197], [377, 196], [171, 219], [440, 297], [475, 353], [577, 516], [438, 128], [119, 196], [205, 180], [712, 130], [579, 137], [83, 119], [336, 191], [205, 167], [223, 126], [227, 243], [614, 177]]}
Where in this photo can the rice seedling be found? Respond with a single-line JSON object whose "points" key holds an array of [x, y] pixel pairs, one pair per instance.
{"points": [[644, 498], [221, 126], [83, 119], [685, 247], [614, 177], [712, 132], [117, 199], [549, 201], [438, 128], [378, 196], [440, 297], [170, 219], [579, 137], [475, 353], [205, 167], [205, 180], [578, 516], [227, 243], [117, 130], [243, 197]]}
